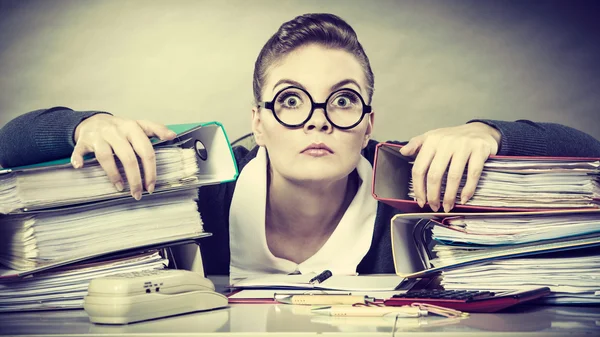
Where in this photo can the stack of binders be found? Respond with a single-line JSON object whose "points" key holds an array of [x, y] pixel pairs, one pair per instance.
{"points": [[531, 222], [61, 227]]}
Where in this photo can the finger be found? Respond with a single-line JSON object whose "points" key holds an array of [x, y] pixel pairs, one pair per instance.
{"points": [[152, 129], [476, 162], [80, 150], [106, 159], [454, 177], [142, 146], [419, 172], [126, 155], [435, 175], [413, 146]]}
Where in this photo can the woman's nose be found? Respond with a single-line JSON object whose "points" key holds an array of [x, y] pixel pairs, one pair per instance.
{"points": [[318, 121]]}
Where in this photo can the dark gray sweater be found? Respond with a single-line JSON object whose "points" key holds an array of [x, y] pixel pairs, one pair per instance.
{"points": [[47, 134]]}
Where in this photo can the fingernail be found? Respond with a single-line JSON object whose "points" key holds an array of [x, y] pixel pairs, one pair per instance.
{"points": [[420, 202], [171, 134], [119, 186], [76, 164], [150, 188], [447, 207], [434, 207], [463, 200], [137, 195]]}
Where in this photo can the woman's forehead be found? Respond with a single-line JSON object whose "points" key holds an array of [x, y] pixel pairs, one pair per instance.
{"points": [[317, 69]]}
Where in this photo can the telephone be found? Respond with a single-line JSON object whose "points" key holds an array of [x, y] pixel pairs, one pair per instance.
{"points": [[138, 296]]}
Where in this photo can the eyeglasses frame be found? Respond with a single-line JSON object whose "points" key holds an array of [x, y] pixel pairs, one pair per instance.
{"points": [[367, 109]]}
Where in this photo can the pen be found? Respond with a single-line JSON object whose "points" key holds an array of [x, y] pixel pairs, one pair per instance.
{"points": [[350, 311], [324, 299], [320, 278]]}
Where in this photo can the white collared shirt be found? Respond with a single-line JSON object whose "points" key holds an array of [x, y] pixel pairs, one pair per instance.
{"points": [[250, 254]]}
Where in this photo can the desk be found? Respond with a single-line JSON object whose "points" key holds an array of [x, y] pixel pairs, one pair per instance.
{"points": [[259, 319], [279, 319]]}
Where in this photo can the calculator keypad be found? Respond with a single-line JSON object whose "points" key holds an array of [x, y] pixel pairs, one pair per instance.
{"points": [[457, 295]]}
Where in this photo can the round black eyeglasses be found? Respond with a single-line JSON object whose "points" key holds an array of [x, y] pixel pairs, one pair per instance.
{"points": [[293, 107]]}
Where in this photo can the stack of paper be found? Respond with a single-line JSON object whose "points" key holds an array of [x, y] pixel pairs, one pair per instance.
{"points": [[263, 288], [29, 241], [65, 288], [531, 183], [59, 217], [62, 185], [506, 251], [573, 280]]}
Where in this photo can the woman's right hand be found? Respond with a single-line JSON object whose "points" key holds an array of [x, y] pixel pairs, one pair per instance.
{"points": [[106, 135]]}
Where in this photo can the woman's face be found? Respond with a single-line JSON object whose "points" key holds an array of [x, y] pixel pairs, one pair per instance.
{"points": [[319, 71]]}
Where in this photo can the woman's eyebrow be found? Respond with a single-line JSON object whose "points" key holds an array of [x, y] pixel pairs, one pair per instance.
{"points": [[342, 83], [289, 82], [334, 87]]}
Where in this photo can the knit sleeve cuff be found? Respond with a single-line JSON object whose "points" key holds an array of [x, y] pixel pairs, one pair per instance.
{"points": [[54, 134], [519, 138]]}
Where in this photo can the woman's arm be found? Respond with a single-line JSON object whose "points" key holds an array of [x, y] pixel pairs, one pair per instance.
{"points": [[60, 132], [40, 136], [527, 138], [467, 147]]}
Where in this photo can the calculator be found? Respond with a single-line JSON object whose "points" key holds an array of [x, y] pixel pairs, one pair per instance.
{"points": [[468, 300]]}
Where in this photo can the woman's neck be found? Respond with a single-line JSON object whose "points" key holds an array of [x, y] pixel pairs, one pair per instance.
{"points": [[301, 217]]}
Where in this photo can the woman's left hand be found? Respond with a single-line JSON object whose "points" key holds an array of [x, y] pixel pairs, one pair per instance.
{"points": [[450, 148]]}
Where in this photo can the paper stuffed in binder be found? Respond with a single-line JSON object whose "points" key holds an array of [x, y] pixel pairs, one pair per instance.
{"points": [[507, 183], [200, 155], [417, 249]]}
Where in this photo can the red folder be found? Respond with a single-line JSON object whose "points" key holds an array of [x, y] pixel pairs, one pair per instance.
{"points": [[391, 176]]}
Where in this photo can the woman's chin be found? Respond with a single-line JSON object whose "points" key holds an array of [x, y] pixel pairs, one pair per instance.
{"points": [[318, 173]]}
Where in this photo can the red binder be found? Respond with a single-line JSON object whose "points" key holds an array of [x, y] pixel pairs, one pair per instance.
{"points": [[391, 177]]}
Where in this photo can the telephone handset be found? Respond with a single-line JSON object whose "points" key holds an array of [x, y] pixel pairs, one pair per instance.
{"points": [[138, 296]]}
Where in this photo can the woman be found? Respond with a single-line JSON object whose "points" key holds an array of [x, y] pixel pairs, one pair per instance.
{"points": [[302, 202]]}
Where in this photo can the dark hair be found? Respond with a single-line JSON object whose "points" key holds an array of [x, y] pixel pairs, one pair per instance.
{"points": [[326, 29]]}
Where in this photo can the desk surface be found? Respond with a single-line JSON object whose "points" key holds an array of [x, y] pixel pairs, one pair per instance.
{"points": [[280, 319], [259, 319]]}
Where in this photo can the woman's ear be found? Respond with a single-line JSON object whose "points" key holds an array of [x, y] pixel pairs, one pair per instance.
{"points": [[257, 128], [369, 130]]}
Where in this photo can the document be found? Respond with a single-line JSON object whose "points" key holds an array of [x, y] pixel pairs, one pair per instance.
{"points": [[200, 155], [250, 295], [507, 183], [572, 280], [514, 230], [507, 250], [34, 240], [364, 283], [65, 288]]}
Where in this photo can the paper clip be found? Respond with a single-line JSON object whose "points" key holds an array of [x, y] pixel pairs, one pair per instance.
{"points": [[446, 312]]}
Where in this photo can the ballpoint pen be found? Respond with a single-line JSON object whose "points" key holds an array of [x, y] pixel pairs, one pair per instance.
{"points": [[369, 311], [323, 299], [320, 278]]}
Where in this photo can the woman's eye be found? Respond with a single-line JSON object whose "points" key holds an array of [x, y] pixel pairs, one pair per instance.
{"points": [[344, 101], [291, 102]]}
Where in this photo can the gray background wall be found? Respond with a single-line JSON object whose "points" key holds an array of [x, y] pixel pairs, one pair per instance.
{"points": [[436, 63]]}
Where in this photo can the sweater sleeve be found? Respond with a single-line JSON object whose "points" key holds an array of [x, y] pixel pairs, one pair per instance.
{"points": [[40, 136], [527, 138]]}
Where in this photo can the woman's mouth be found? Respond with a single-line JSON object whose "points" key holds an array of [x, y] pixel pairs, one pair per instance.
{"points": [[317, 150]]}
